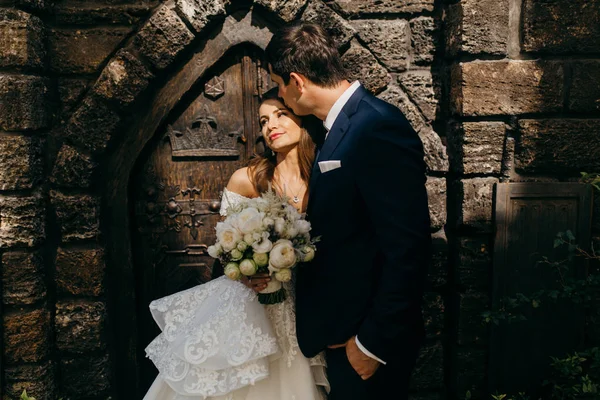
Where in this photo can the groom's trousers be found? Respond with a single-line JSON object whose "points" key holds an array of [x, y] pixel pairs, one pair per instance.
{"points": [[390, 381]]}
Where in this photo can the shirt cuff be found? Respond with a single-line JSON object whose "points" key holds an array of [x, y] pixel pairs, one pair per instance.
{"points": [[367, 352]]}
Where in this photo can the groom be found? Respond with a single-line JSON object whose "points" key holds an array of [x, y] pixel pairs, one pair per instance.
{"points": [[360, 299]]}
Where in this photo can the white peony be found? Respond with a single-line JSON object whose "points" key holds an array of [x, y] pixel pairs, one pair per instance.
{"points": [[264, 245], [284, 275], [249, 220], [215, 250], [283, 254], [227, 236], [232, 271]]}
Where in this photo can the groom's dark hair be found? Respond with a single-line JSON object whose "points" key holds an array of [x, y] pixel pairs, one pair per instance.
{"points": [[306, 49]]}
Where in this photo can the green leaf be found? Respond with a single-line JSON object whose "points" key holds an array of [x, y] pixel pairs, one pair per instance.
{"points": [[535, 303], [570, 235]]}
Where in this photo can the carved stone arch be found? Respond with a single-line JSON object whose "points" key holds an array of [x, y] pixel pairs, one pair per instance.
{"points": [[243, 27]]}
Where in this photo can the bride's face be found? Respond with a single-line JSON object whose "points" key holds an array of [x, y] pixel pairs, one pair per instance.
{"points": [[280, 127]]}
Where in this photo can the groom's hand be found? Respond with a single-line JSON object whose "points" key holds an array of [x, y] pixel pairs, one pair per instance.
{"points": [[364, 365]]}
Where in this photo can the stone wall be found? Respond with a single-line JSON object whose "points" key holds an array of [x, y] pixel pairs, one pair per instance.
{"points": [[501, 93], [523, 105]]}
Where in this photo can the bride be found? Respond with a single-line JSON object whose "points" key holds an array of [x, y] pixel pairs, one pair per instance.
{"points": [[218, 342]]}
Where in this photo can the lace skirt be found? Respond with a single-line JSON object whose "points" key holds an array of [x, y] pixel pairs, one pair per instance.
{"points": [[218, 342]]}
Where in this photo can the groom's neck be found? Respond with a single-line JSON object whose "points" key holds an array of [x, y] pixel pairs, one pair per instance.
{"points": [[325, 98]]}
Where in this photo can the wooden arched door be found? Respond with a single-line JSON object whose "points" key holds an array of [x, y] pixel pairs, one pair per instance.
{"points": [[176, 185]]}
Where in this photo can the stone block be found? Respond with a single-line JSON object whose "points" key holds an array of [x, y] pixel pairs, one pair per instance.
{"points": [[429, 369], [339, 29], [37, 379], [79, 326], [424, 38], [163, 37], [478, 27], [85, 377], [474, 202], [287, 10], [22, 221], [477, 147], [437, 277], [200, 13], [561, 26], [80, 272], [20, 162], [72, 169], [506, 87], [22, 278], [123, 79], [419, 86], [559, 145], [435, 151], [474, 266], [92, 125], [361, 65], [74, 12], [358, 8], [26, 336], [436, 193], [396, 96], [388, 40], [22, 39], [70, 92], [23, 101], [77, 216], [82, 51], [584, 95]]}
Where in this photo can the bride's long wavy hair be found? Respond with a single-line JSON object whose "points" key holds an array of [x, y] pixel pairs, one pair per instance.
{"points": [[261, 167]]}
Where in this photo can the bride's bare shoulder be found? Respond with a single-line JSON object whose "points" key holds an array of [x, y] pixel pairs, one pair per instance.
{"points": [[240, 183]]}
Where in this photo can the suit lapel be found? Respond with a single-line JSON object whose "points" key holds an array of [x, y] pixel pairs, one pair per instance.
{"points": [[334, 137]]}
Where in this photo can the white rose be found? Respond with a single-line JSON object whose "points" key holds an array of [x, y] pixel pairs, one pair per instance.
{"points": [[302, 225], [308, 253], [282, 255], [248, 267], [284, 275], [232, 271], [215, 250], [261, 259], [249, 238], [227, 236], [250, 220], [242, 246], [236, 255]]}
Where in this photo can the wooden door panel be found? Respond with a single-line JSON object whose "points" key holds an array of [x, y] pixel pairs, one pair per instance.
{"points": [[528, 218], [180, 176]]}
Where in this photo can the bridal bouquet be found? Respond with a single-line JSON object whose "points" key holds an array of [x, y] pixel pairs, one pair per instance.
{"points": [[263, 235]]}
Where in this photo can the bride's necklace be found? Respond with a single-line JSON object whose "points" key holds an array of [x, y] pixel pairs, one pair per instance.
{"points": [[295, 197]]}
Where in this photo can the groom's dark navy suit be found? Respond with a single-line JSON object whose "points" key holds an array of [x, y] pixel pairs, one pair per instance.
{"points": [[368, 274]]}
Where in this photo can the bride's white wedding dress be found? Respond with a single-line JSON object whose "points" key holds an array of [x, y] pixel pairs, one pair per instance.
{"points": [[219, 343]]}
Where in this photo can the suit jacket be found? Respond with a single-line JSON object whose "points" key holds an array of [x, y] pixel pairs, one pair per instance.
{"points": [[372, 215]]}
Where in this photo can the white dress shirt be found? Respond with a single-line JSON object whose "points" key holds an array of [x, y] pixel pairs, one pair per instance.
{"points": [[328, 123]]}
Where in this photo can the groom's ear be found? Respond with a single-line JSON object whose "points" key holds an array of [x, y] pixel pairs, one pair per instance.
{"points": [[298, 80]]}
